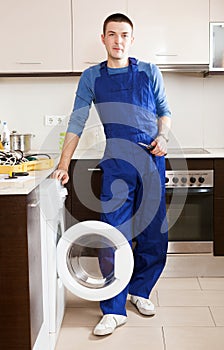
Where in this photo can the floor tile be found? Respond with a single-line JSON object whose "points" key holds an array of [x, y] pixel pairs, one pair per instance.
{"points": [[194, 265], [211, 283], [165, 316], [177, 283], [189, 316], [171, 316], [87, 316], [218, 315], [190, 298], [81, 316], [81, 338], [194, 338], [74, 301]]}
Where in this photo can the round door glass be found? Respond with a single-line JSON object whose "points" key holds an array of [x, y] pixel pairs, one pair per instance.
{"points": [[90, 261]]}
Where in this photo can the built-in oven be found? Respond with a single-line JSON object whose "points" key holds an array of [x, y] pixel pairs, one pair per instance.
{"points": [[189, 201]]}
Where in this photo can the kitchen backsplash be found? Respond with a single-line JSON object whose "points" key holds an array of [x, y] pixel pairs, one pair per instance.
{"points": [[196, 104]]}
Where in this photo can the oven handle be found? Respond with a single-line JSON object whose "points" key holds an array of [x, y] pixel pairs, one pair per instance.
{"points": [[190, 191]]}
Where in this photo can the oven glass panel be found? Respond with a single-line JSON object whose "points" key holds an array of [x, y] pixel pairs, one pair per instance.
{"points": [[194, 222]]}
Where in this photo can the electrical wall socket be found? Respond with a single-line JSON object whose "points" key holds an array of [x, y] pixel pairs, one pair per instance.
{"points": [[53, 120]]}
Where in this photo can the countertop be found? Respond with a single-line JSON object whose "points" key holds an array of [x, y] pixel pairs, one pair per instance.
{"points": [[172, 153], [23, 185]]}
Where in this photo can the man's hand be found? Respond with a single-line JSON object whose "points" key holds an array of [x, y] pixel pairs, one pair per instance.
{"points": [[160, 146], [61, 175]]}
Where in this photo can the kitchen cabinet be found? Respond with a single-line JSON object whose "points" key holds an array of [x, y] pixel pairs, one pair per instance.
{"points": [[216, 11], [88, 18], [216, 46], [171, 32], [84, 186], [35, 36], [21, 297]]}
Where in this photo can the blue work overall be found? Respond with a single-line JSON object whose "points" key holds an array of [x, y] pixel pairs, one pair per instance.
{"points": [[133, 180]]}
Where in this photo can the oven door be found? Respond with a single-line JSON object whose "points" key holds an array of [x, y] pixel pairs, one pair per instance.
{"points": [[190, 220]]}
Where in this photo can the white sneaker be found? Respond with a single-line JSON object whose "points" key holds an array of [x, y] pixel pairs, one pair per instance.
{"points": [[108, 324], [144, 306]]}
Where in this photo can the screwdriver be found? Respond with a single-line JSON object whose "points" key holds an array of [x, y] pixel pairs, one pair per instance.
{"points": [[149, 147]]}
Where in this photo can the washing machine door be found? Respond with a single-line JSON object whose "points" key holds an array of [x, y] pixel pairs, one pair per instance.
{"points": [[94, 260]]}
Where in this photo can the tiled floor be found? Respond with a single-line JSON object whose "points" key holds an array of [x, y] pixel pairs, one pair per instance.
{"points": [[190, 316]]}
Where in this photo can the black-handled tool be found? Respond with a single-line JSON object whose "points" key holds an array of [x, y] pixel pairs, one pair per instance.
{"points": [[20, 173], [149, 147], [14, 175]]}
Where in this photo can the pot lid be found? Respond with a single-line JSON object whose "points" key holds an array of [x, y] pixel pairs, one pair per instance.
{"points": [[15, 133]]}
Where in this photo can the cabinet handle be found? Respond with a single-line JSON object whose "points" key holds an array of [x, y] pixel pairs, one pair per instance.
{"points": [[34, 204], [91, 62], [29, 63], [167, 54], [94, 169]]}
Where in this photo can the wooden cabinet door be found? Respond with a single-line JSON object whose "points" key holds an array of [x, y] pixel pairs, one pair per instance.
{"points": [[14, 280], [219, 208], [216, 11], [35, 36], [88, 18], [21, 299], [171, 32], [84, 191]]}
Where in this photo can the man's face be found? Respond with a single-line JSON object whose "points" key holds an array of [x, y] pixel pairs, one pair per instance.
{"points": [[117, 39]]}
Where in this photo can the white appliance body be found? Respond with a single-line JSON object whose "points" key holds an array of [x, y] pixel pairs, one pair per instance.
{"points": [[52, 197]]}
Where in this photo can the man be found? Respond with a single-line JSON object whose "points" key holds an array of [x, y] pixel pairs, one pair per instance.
{"points": [[130, 98]]}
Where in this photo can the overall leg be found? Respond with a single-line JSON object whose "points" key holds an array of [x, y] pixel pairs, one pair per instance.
{"points": [[151, 244], [117, 197]]}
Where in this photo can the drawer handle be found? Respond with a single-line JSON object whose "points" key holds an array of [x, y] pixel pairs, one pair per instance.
{"points": [[29, 63], [166, 54], [91, 62], [34, 204], [94, 169]]}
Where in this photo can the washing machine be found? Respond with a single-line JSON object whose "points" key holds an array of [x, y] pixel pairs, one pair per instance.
{"points": [[52, 197], [92, 259]]}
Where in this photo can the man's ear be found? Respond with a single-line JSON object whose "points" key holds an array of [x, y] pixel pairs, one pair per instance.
{"points": [[132, 40], [103, 39]]}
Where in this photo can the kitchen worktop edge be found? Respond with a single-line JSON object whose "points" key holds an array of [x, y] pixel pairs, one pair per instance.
{"points": [[211, 153]]}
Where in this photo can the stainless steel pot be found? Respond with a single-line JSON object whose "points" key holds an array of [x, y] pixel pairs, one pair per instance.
{"points": [[20, 141]]}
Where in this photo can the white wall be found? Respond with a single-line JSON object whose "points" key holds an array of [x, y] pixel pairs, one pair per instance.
{"points": [[197, 110], [196, 103]]}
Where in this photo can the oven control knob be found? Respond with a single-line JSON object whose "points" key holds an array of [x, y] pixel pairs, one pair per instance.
{"points": [[184, 180], [192, 179], [175, 180], [167, 180], [201, 179]]}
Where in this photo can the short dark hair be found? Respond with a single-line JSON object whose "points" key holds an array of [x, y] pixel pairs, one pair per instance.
{"points": [[116, 17]]}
